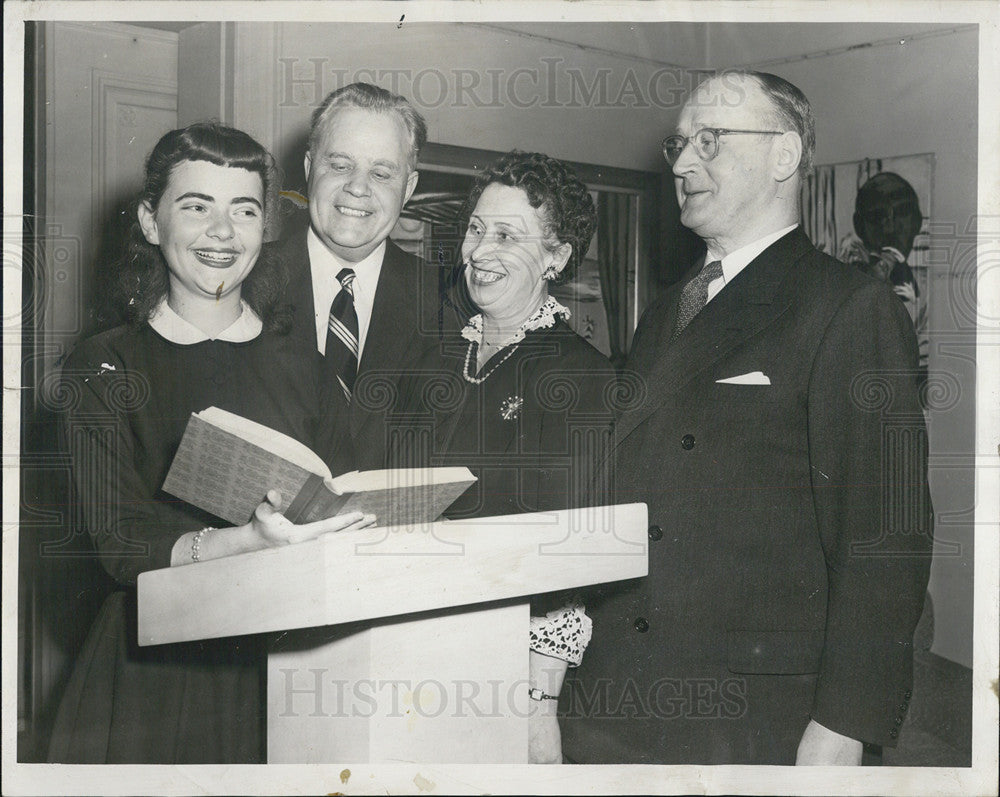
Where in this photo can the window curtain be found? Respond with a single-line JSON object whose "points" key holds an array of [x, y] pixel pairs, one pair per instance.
{"points": [[615, 251], [867, 168], [819, 202]]}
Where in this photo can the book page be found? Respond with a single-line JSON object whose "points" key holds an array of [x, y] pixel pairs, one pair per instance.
{"points": [[368, 480], [397, 503], [264, 437]]}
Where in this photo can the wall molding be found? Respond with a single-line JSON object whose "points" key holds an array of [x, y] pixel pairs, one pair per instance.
{"points": [[113, 98], [254, 74], [123, 30]]}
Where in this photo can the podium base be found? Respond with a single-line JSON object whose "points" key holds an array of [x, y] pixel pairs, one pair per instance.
{"points": [[439, 687]]}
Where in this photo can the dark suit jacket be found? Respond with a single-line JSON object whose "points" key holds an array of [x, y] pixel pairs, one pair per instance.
{"points": [[789, 540], [409, 314]]}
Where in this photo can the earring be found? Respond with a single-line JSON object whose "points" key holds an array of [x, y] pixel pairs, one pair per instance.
{"points": [[550, 273]]}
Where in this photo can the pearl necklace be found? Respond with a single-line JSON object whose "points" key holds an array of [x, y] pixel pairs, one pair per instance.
{"points": [[478, 380], [544, 317]]}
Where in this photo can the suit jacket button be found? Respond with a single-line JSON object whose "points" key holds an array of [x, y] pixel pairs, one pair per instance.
{"points": [[641, 625], [687, 442], [893, 733], [898, 720], [908, 694], [655, 533]]}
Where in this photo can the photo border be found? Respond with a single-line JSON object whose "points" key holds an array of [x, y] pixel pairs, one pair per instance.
{"points": [[427, 778]]}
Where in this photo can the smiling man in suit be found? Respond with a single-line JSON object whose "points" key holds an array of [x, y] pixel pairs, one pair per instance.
{"points": [[369, 306], [781, 450]]}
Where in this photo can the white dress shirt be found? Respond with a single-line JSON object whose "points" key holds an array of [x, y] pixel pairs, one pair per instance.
{"points": [[176, 329], [324, 266], [735, 262]]}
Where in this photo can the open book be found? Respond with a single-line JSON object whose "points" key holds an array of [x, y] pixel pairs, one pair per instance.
{"points": [[226, 464]]}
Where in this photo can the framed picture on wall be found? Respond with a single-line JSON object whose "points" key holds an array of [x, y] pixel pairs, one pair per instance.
{"points": [[893, 214]]}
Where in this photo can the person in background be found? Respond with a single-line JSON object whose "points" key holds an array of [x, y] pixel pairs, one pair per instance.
{"points": [[887, 220], [789, 543], [517, 392], [206, 328]]}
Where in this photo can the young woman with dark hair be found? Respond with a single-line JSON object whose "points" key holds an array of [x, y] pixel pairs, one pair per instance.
{"points": [[204, 329]]}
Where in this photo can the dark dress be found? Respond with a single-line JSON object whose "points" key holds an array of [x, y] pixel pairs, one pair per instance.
{"points": [[532, 431], [128, 394]]}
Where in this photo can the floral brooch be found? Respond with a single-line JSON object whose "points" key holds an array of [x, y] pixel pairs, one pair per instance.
{"points": [[510, 408]]}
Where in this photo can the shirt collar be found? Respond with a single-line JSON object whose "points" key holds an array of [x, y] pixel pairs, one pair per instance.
{"points": [[735, 262], [171, 326], [363, 270]]}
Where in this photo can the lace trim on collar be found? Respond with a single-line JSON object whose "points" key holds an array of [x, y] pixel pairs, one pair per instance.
{"points": [[544, 317]]}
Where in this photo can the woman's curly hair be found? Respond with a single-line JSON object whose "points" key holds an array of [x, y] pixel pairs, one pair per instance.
{"points": [[564, 202], [140, 280]]}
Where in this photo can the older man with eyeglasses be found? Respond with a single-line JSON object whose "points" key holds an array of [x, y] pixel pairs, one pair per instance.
{"points": [[781, 450]]}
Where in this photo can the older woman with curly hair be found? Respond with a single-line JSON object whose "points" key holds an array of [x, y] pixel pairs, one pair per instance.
{"points": [[502, 394], [520, 399]]}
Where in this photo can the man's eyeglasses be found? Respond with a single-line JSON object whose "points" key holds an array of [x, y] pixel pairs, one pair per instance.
{"points": [[706, 142]]}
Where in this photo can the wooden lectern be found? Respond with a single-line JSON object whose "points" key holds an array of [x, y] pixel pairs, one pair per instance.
{"points": [[401, 644]]}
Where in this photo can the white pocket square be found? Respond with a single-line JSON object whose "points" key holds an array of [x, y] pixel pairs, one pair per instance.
{"points": [[752, 378]]}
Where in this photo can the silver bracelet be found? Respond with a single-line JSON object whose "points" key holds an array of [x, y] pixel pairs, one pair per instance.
{"points": [[196, 543]]}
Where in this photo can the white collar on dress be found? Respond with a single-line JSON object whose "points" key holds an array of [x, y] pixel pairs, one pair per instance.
{"points": [[544, 316], [171, 326]]}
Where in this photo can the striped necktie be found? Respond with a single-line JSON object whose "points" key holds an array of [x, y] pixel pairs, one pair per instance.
{"points": [[695, 295], [342, 334]]}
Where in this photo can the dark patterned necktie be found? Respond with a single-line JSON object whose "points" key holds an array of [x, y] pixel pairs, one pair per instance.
{"points": [[695, 295], [342, 334]]}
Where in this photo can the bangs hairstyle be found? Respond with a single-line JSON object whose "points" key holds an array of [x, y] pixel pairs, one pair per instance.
{"points": [[371, 98], [564, 202], [792, 111], [139, 280]]}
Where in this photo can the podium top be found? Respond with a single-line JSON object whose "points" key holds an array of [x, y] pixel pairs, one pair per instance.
{"points": [[384, 572]]}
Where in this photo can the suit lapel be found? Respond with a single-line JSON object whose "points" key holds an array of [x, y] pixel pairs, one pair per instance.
{"points": [[393, 324], [748, 304], [392, 313], [295, 253]]}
